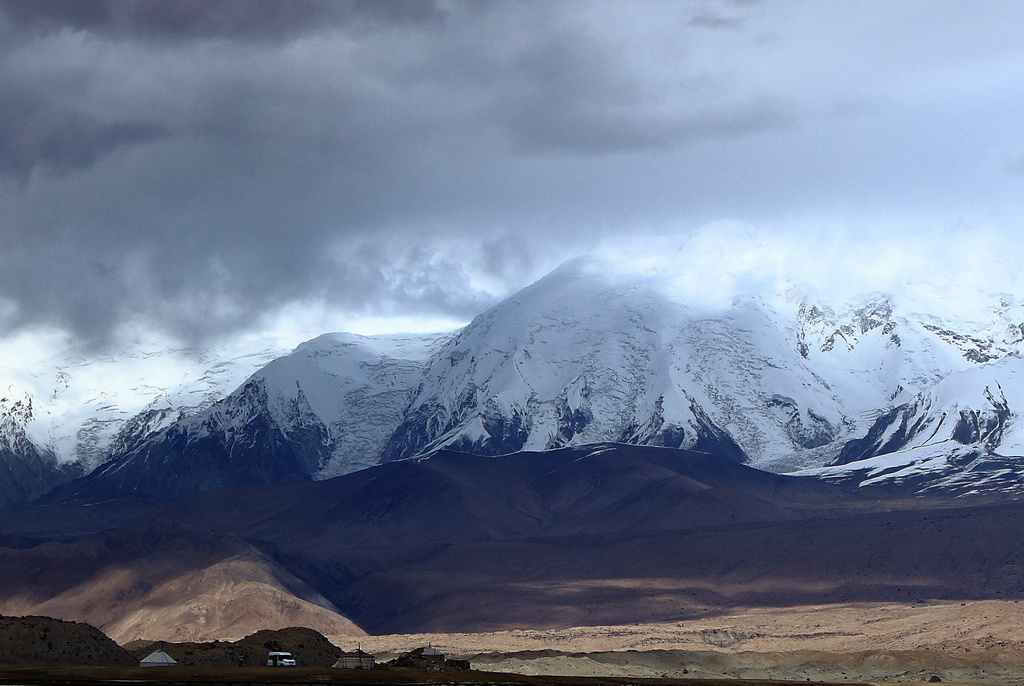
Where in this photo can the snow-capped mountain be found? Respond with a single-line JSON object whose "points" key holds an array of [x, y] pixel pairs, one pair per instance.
{"points": [[952, 423], [327, 408], [862, 395], [69, 415], [961, 435], [28, 471]]}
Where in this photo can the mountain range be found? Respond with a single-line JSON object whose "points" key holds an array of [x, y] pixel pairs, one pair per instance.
{"points": [[62, 417], [592, 450], [597, 535], [864, 396]]}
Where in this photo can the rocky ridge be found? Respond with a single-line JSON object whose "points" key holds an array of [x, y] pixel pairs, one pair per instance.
{"points": [[864, 396]]}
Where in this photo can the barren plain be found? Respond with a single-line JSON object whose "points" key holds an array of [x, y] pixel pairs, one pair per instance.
{"points": [[975, 642]]}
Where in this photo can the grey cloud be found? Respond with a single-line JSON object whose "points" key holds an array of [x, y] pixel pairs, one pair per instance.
{"points": [[399, 281], [243, 170], [569, 90], [36, 134], [507, 259], [710, 20], [197, 19], [600, 132], [53, 283], [246, 166], [418, 279]]}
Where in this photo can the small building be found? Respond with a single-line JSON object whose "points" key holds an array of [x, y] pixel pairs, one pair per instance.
{"points": [[429, 653], [429, 658], [355, 660], [158, 658]]}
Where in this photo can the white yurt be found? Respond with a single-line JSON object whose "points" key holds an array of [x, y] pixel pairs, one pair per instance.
{"points": [[157, 658]]}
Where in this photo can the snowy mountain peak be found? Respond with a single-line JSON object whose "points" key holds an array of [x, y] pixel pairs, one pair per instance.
{"points": [[29, 469], [822, 329], [862, 394], [15, 407], [15, 415]]}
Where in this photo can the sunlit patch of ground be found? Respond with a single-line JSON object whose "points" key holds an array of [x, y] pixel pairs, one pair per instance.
{"points": [[970, 642]]}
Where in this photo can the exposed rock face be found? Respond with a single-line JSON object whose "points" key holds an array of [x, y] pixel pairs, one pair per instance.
{"points": [[891, 432], [26, 470], [238, 443], [986, 426], [577, 359]]}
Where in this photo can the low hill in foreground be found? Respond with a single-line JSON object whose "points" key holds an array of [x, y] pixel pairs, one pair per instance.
{"points": [[36, 640], [310, 648], [42, 640]]}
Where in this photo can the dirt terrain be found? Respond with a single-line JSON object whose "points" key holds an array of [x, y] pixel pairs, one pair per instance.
{"points": [[306, 676], [971, 643], [979, 642]]}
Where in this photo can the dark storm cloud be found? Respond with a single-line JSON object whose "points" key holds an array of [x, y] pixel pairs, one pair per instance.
{"points": [[242, 163], [192, 166], [233, 160], [37, 134], [196, 19]]}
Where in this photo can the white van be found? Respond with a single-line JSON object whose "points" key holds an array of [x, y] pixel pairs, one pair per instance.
{"points": [[280, 659]]}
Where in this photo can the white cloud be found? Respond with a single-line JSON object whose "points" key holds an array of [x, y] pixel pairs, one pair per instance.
{"points": [[943, 270]]}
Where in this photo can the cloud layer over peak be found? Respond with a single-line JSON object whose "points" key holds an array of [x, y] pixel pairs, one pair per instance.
{"points": [[202, 168]]}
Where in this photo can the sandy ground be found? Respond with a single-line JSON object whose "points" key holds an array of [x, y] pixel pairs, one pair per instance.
{"points": [[980, 642]]}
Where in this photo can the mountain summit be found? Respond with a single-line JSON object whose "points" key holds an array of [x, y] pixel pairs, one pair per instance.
{"points": [[866, 395]]}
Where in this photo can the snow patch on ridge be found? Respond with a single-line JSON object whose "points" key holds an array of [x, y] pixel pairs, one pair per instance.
{"points": [[82, 406], [867, 394]]}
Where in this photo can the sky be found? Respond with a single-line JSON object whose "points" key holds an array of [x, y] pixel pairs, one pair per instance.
{"points": [[196, 172]]}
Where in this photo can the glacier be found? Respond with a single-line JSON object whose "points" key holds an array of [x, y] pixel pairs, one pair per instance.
{"points": [[865, 395]]}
